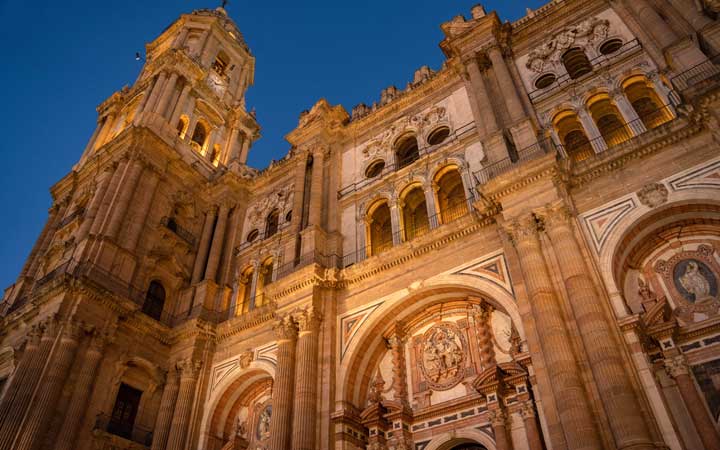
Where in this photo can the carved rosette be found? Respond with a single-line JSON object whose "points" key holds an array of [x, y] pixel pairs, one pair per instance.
{"points": [[444, 351]]}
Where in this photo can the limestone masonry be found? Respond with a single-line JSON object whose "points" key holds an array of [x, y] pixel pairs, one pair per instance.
{"points": [[518, 250]]}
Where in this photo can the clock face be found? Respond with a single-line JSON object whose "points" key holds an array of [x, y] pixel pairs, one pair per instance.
{"points": [[217, 83]]}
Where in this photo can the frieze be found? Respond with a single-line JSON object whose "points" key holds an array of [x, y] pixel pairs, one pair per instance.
{"points": [[582, 35]]}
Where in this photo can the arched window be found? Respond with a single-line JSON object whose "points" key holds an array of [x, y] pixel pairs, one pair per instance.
{"points": [[576, 63], [182, 126], [379, 232], [450, 194], [154, 300], [414, 214], [199, 137], [248, 297], [646, 103], [406, 151], [220, 64], [610, 46], [265, 278], [572, 136], [609, 121], [438, 135], [271, 223], [375, 169], [252, 235], [545, 81]]}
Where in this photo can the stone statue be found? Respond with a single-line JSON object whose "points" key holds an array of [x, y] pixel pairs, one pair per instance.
{"points": [[695, 282], [264, 424]]}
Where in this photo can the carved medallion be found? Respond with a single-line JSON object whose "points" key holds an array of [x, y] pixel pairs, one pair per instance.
{"points": [[443, 356], [653, 195]]}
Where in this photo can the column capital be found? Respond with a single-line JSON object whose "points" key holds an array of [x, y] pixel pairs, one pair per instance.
{"points": [[497, 417], [676, 366], [554, 215], [188, 368], [527, 410], [309, 320], [522, 229], [286, 329]]}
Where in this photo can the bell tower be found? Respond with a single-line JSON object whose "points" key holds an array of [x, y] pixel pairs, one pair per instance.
{"points": [[192, 89]]}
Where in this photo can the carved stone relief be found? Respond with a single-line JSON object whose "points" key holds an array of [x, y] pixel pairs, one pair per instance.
{"points": [[443, 356], [281, 199]]}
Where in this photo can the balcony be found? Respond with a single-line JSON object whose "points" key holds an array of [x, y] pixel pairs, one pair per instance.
{"points": [[396, 166], [598, 62], [131, 436], [706, 70]]}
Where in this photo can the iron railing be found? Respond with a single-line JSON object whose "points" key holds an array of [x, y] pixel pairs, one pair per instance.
{"points": [[392, 167], [448, 215], [540, 148], [596, 63], [697, 74], [181, 232], [131, 432]]}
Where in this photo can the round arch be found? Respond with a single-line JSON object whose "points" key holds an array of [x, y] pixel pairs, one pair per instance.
{"points": [[449, 440], [353, 375], [694, 198], [232, 387]]}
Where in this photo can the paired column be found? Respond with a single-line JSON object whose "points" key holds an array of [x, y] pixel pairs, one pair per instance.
{"points": [[107, 197], [167, 408], [180, 105], [139, 211], [498, 420], [286, 331], [155, 93], [305, 409], [508, 89], [487, 121], [204, 246], [81, 393], [677, 368], [125, 194], [18, 406], [95, 202], [532, 432], [48, 394], [217, 242], [22, 373], [167, 94], [606, 361], [575, 414], [189, 371]]}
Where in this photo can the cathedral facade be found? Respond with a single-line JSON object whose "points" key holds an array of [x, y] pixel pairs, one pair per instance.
{"points": [[518, 250]]}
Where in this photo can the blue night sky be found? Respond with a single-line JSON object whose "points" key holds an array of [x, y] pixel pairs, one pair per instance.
{"points": [[62, 58]]}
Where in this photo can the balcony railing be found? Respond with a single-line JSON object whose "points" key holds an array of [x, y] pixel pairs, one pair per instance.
{"points": [[450, 214], [697, 74], [181, 232], [596, 63], [134, 433], [534, 151], [397, 165]]}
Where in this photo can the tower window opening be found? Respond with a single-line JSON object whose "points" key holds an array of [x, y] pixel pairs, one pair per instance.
{"points": [[576, 63], [220, 64], [154, 300], [199, 137], [271, 223]]}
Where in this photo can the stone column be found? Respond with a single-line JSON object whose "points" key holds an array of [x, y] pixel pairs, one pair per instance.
{"points": [[606, 361], [316, 187], [122, 200], [305, 409], [217, 243], [81, 393], [399, 381], [395, 223], [485, 337], [234, 145], [591, 130], [245, 149], [155, 93], [167, 408], [143, 103], [575, 415], [107, 197], [139, 212], [651, 21], [227, 259], [532, 432], [498, 420], [204, 246], [180, 105], [677, 368], [508, 90], [19, 404], [489, 122], [94, 205], [630, 116], [431, 206], [48, 393], [282, 397], [180, 39], [167, 93], [252, 285], [189, 371], [22, 373]]}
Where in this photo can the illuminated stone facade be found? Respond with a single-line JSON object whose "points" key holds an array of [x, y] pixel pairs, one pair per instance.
{"points": [[519, 250]]}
